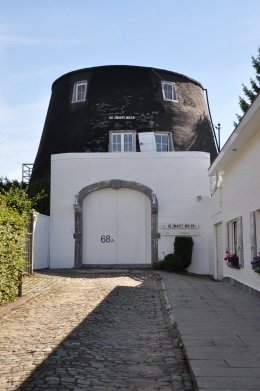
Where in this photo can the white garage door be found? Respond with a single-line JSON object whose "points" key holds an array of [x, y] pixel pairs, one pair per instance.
{"points": [[116, 228]]}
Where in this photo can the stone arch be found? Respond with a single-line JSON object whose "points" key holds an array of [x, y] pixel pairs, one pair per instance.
{"points": [[113, 184]]}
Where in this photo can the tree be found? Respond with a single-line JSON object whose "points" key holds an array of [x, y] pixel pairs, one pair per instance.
{"points": [[17, 197], [252, 92]]}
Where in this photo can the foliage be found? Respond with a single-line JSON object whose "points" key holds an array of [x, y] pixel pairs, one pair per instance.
{"points": [[232, 259], [181, 258], [12, 245], [173, 263], [183, 246], [252, 92], [41, 186], [15, 208], [256, 263], [17, 197]]}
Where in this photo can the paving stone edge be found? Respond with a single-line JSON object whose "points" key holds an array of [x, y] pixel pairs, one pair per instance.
{"points": [[174, 323]]}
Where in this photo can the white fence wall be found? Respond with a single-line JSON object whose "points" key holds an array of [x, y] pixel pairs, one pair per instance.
{"points": [[41, 242]]}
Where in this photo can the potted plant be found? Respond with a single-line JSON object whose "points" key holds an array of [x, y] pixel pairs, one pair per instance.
{"points": [[232, 260], [256, 263]]}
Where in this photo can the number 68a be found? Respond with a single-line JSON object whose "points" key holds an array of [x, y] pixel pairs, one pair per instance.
{"points": [[106, 239]]}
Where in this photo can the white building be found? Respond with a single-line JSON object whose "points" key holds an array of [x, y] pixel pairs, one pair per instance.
{"points": [[125, 209], [236, 200]]}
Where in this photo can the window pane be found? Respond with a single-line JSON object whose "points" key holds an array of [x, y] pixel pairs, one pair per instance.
{"points": [[116, 143], [162, 142], [169, 91], [122, 142], [128, 142], [79, 92]]}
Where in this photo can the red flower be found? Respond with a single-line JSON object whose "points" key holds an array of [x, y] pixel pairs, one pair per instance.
{"points": [[228, 256]]}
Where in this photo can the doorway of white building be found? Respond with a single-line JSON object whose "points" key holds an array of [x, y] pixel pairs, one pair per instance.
{"points": [[116, 228], [219, 252]]}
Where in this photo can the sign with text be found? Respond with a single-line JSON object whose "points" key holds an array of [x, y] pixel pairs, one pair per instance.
{"points": [[121, 117], [179, 229]]}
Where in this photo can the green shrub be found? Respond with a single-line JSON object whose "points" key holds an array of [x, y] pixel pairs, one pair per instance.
{"points": [[183, 246], [173, 263], [181, 258], [12, 245], [41, 186], [15, 208]]}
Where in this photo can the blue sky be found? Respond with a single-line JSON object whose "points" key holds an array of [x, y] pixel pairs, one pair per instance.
{"points": [[210, 41]]}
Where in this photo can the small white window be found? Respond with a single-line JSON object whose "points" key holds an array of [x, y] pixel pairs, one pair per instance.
{"points": [[162, 142], [159, 141], [169, 91], [122, 141], [79, 91]]}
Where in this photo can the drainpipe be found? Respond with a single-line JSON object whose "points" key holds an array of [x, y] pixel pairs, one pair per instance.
{"points": [[217, 142]]}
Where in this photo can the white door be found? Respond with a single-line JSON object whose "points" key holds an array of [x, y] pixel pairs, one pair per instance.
{"points": [[219, 252], [147, 141], [116, 228]]}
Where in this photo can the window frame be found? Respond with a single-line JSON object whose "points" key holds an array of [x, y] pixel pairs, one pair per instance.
{"points": [[76, 92], [170, 143], [174, 92], [255, 232], [234, 238], [122, 141], [154, 143]]}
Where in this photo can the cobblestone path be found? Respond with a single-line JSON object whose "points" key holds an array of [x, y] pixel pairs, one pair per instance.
{"points": [[92, 331]]}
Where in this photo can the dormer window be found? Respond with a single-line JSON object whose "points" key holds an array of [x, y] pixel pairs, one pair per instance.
{"points": [[169, 91], [162, 142], [155, 141], [79, 92], [122, 141]]}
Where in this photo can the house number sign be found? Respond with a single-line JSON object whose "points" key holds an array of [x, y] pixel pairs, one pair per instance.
{"points": [[106, 239]]}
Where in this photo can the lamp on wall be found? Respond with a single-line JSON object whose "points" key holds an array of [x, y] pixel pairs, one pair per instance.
{"points": [[76, 205], [153, 198], [199, 198]]}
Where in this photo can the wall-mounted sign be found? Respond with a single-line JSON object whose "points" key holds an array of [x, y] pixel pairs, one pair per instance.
{"points": [[181, 232], [179, 229], [121, 117], [179, 225]]}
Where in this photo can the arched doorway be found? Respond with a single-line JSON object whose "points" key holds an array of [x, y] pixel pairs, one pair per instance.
{"points": [[116, 223]]}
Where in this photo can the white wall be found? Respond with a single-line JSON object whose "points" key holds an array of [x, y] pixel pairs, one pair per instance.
{"points": [[238, 196], [41, 256], [177, 178]]}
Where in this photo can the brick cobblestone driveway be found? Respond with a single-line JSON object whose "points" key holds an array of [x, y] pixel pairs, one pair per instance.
{"points": [[83, 330]]}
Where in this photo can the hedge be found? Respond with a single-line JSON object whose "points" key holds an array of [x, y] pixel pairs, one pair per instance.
{"points": [[12, 245], [181, 258], [15, 208], [183, 246], [173, 263]]}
